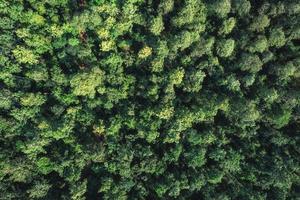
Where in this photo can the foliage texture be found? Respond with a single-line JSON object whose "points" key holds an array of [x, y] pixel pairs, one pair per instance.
{"points": [[150, 99]]}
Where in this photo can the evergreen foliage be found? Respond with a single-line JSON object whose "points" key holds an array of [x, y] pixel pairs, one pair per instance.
{"points": [[156, 99]]}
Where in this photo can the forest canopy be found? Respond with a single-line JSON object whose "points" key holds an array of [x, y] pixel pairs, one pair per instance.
{"points": [[150, 99]]}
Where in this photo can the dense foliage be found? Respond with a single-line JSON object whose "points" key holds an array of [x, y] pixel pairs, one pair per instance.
{"points": [[156, 99]]}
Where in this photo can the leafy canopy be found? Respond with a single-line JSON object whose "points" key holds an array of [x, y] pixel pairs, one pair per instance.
{"points": [[157, 99]]}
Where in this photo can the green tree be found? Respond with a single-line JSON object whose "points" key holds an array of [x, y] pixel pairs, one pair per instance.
{"points": [[225, 47], [86, 84]]}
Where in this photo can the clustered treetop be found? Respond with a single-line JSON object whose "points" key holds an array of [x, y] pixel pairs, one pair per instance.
{"points": [[156, 99]]}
